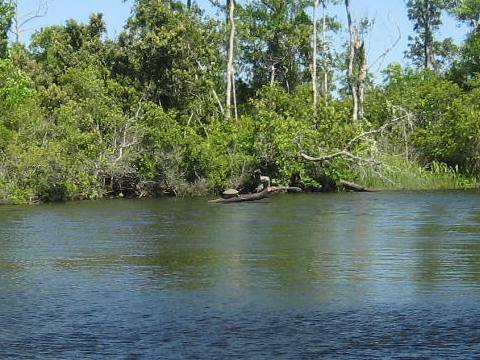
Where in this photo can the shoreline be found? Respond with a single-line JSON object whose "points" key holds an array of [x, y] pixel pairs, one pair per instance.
{"points": [[211, 196]]}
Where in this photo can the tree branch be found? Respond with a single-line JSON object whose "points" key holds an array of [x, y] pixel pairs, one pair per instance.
{"points": [[382, 56], [347, 150]]}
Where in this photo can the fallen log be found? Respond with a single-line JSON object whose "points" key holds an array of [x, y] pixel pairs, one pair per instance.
{"points": [[243, 198], [257, 196], [288, 189], [355, 187]]}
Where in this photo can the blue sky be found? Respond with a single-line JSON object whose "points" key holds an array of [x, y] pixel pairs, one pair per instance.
{"points": [[387, 13], [115, 12]]}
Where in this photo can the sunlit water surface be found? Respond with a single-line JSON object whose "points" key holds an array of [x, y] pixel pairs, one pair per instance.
{"points": [[384, 275]]}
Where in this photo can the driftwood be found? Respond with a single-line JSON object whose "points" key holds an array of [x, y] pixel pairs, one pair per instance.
{"points": [[258, 196], [355, 187], [288, 189]]}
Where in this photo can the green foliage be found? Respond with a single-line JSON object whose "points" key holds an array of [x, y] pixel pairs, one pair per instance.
{"points": [[6, 17], [424, 50], [445, 127], [466, 70], [275, 36], [17, 101], [455, 137], [15, 87], [283, 127], [468, 10], [47, 173], [172, 55]]}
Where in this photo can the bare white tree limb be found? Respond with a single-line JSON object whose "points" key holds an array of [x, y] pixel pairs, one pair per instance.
{"points": [[231, 58], [314, 60], [126, 143], [19, 20], [347, 150], [382, 56]]}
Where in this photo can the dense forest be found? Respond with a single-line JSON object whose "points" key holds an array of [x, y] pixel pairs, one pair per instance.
{"points": [[184, 104]]}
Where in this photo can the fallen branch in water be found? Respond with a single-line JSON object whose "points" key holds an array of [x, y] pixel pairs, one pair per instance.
{"points": [[258, 196], [288, 189], [355, 187]]}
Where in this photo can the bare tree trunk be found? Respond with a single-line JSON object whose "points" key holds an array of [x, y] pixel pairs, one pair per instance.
{"points": [[272, 75], [325, 49], [351, 31], [362, 79], [429, 55], [357, 66], [351, 59], [234, 94], [428, 45], [314, 60], [20, 21], [230, 65], [18, 30]]}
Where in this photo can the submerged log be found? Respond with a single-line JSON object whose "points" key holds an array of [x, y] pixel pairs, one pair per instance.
{"points": [[355, 187], [258, 196]]}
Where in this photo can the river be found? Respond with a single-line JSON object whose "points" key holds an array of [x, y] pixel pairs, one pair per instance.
{"points": [[380, 275]]}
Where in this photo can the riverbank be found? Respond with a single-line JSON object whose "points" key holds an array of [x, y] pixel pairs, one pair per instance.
{"points": [[400, 176]]}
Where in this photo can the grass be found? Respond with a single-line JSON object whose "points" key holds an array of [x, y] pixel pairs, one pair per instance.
{"points": [[400, 174]]}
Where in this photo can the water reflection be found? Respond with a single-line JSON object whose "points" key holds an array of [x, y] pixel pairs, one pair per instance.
{"points": [[288, 242], [92, 262]]}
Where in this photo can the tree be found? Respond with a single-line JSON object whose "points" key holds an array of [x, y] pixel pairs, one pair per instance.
{"points": [[314, 51], [426, 17], [357, 70], [21, 20], [58, 48], [466, 70], [231, 59], [6, 19], [171, 54], [469, 11], [328, 24], [84, 116], [276, 43]]}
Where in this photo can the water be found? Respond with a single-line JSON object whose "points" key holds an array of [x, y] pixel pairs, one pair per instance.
{"points": [[384, 275]]}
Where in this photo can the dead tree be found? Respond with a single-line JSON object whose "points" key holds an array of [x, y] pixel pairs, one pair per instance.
{"points": [[381, 57], [21, 21], [357, 63], [324, 86], [114, 165], [325, 80], [358, 67], [230, 93], [314, 60]]}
